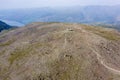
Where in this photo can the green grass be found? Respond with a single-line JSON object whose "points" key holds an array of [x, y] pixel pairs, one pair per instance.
{"points": [[108, 34], [2, 52], [18, 54], [6, 43], [66, 67]]}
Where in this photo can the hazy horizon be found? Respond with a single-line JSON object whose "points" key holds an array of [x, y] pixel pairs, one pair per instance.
{"points": [[14, 4]]}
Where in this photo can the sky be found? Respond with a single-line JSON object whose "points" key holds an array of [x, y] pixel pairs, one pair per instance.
{"points": [[9, 4]]}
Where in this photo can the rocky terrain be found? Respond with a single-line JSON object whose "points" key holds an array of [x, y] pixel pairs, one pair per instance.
{"points": [[60, 51]]}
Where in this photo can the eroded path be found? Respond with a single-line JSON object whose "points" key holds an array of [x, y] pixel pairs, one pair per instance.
{"points": [[99, 57]]}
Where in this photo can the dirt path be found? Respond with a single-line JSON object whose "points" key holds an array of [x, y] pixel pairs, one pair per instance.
{"points": [[65, 39], [65, 43], [99, 57]]}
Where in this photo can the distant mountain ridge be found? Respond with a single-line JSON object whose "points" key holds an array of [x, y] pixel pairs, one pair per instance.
{"points": [[13, 23], [78, 14]]}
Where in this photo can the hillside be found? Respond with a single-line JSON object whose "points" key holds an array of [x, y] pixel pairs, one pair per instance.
{"points": [[60, 51], [4, 26]]}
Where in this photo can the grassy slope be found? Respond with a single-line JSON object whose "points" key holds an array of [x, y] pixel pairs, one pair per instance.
{"points": [[56, 51]]}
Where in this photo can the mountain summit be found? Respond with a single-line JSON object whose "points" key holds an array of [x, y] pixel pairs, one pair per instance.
{"points": [[60, 51]]}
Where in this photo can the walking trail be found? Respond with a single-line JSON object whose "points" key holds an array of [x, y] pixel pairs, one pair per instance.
{"points": [[99, 57]]}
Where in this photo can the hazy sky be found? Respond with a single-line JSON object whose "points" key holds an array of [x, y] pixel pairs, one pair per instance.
{"points": [[5, 4]]}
